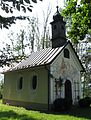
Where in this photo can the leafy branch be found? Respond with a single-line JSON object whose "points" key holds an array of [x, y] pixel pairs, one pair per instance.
{"points": [[9, 6]]}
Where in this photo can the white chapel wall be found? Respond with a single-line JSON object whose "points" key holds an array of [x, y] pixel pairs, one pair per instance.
{"points": [[66, 69]]}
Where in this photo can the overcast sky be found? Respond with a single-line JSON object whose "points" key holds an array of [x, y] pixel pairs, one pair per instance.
{"points": [[36, 11]]}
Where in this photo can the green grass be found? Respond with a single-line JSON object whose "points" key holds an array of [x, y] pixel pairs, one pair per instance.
{"points": [[18, 113]]}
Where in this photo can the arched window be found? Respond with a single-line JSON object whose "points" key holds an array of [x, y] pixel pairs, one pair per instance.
{"points": [[62, 27], [20, 83], [66, 53], [55, 27], [34, 82]]}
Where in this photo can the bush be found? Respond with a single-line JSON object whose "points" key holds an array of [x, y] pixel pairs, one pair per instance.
{"points": [[85, 102], [1, 96], [62, 104], [1, 88]]}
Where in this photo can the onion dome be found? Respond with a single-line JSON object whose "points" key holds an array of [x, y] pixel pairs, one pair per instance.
{"points": [[57, 16]]}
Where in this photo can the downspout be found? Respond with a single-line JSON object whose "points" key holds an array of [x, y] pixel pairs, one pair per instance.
{"points": [[48, 71]]}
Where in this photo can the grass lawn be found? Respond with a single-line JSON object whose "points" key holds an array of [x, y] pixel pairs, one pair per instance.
{"points": [[17, 113]]}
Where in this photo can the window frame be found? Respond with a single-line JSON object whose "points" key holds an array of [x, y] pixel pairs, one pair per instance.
{"points": [[66, 53], [55, 27], [34, 82], [20, 83]]}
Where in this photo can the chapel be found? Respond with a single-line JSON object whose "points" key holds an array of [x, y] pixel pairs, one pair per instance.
{"points": [[46, 75]]}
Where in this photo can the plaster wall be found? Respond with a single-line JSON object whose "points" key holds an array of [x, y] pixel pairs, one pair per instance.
{"points": [[27, 94], [67, 69]]}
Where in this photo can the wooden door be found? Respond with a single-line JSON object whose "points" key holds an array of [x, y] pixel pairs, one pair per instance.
{"points": [[68, 90]]}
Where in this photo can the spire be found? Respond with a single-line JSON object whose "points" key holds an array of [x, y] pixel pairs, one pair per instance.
{"points": [[58, 30], [57, 15], [57, 9]]}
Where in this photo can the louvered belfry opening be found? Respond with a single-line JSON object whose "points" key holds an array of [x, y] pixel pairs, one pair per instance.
{"points": [[58, 30]]}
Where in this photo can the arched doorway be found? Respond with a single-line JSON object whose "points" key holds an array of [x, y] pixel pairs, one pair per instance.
{"points": [[68, 90]]}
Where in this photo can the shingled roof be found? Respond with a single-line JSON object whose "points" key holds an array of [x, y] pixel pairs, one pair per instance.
{"points": [[42, 57]]}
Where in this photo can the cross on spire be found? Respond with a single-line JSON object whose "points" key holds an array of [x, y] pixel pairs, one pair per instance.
{"points": [[57, 9]]}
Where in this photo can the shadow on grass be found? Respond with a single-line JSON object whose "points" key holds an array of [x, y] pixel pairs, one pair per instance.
{"points": [[6, 115], [76, 112]]}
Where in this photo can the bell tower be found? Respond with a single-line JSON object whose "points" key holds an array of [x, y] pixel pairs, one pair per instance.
{"points": [[58, 30]]}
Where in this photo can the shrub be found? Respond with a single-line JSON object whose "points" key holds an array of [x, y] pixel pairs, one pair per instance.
{"points": [[1, 96], [62, 104], [85, 102], [68, 103], [1, 88]]}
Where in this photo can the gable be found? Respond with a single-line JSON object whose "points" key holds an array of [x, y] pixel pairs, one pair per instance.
{"points": [[75, 58], [70, 57]]}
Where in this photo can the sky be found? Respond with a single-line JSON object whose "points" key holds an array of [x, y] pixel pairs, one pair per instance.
{"points": [[36, 11]]}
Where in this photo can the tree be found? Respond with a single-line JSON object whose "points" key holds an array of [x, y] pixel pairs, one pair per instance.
{"points": [[84, 53], [77, 14], [78, 19], [45, 37], [15, 50], [39, 32], [29, 38], [9, 6]]}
